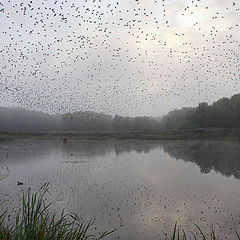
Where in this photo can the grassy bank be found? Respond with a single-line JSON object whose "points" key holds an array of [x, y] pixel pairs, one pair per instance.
{"points": [[229, 135], [35, 221], [6, 137]]}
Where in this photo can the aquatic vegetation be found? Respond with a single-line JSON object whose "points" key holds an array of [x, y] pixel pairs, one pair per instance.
{"points": [[180, 234], [36, 221]]}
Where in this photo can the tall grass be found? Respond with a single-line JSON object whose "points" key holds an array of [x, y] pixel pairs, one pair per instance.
{"points": [[35, 221], [180, 234]]}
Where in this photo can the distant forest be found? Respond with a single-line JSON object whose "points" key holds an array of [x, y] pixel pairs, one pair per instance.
{"points": [[225, 113]]}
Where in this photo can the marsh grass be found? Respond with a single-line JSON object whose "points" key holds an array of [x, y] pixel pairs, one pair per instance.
{"points": [[180, 234], [35, 221]]}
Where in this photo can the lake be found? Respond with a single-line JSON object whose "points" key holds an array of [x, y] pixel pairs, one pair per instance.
{"points": [[141, 188]]}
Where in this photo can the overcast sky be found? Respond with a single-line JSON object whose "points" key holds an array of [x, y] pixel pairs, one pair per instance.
{"points": [[128, 57]]}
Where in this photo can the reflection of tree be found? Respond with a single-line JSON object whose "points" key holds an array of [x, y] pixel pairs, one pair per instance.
{"points": [[137, 146], [35, 150], [94, 148], [4, 171], [221, 157]]}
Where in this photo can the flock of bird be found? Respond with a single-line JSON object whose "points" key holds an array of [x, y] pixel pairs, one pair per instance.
{"points": [[117, 56]]}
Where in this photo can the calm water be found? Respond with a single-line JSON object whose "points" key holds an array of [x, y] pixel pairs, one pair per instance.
{"points": [[138, 187]]}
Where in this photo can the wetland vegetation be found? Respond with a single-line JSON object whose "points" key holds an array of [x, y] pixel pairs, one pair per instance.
{"points": [[35, 221]]}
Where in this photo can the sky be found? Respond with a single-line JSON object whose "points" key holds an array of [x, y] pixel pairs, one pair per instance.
{"points": [[126, 57]]}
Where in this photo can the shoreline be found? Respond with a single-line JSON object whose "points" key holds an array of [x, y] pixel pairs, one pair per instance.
{"points": [[230, 135]]}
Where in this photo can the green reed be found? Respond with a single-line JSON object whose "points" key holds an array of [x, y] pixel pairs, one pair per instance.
{"points": [[180, 234], [35, 221]]}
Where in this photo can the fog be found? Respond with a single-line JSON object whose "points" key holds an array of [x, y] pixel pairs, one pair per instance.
{"points": [[221, 114]]}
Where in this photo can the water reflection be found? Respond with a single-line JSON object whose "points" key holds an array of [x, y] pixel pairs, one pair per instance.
{"points": [[221, 157], [4, 170], [138, 187], [29, 148], [218, 156]]}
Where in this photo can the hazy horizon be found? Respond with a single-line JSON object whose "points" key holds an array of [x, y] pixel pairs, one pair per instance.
{"points": [[154, 115]]}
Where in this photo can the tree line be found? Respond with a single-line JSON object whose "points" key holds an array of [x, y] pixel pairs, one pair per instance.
{"points": [[225, 113]]}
